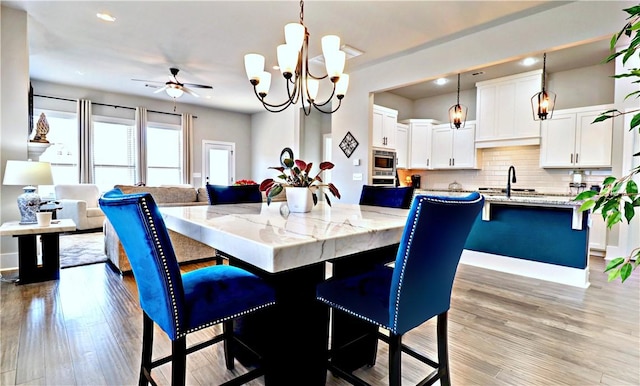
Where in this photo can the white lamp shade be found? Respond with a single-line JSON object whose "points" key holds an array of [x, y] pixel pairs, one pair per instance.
{"points": [[312, 88], [174, 91], [334, 62], [330, 43], [27, 173], [342, 85], [294, 35], [253, 65], [262, 88], [287, 58]]}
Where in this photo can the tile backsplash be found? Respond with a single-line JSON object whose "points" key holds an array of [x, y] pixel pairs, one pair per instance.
{"points": [[494, 164]]}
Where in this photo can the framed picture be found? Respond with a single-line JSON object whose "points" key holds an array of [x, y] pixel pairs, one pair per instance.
{"points": [[348, 144]]}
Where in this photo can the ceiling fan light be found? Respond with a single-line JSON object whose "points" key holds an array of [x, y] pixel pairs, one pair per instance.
{"points": [[294, 35], [174, 91], [254, 66], [287, 59]]}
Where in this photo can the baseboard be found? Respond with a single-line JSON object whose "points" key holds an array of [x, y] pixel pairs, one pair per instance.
{"points": [[544, 271]]}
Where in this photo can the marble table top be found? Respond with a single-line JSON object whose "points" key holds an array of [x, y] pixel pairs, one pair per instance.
{"points": [[271, 238], [14, 228]]}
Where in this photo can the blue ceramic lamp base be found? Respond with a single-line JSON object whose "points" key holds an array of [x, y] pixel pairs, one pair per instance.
{"points": [[29, 205]]}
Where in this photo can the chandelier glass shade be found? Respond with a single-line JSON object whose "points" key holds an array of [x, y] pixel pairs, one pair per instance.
{"points": [[543, 103], [458, 112], [293, 60]]}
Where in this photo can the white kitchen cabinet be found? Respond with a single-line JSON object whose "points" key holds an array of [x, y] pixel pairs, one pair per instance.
{"points": [[571, 140], [402, 145], [420, 142], [384, 127], [503, 111], [453, 148]]}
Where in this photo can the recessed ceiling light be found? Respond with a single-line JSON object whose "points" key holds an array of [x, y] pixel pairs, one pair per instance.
{"points": [[441, 81], [105, 17], [529, 61]]}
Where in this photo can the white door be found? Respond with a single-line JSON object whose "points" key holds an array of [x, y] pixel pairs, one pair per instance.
{"points": [[219, 162]]}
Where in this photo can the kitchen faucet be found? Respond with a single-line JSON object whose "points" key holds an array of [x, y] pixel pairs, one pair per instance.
{"points": [[510, 180]]}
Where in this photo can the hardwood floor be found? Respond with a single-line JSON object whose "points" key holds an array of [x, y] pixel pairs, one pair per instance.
{"points": [[85, 329]]}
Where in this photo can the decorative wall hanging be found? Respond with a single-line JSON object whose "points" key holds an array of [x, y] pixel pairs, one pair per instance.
{"points": [[348, 144]]}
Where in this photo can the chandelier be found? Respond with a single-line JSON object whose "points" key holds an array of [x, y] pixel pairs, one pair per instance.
{"points": [[542, 103], [293, 60], [458, 112]]}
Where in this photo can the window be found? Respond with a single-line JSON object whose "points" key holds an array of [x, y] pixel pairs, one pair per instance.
{"points": [[63, 151], [113, 149], [164, 154]]}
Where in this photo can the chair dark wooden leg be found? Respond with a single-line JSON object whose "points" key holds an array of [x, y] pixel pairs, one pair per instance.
{"points": [[178, 361], [395, 359], [147, 347], [443, 350], [227, 330]]}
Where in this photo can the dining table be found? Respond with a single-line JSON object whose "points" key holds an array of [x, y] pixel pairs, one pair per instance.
{"points": [[291, 251]]}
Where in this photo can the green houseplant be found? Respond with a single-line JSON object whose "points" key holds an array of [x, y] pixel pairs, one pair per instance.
{"points": [[298, 174], [619, 198]]}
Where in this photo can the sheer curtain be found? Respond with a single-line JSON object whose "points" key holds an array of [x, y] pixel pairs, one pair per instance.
{"points": [[85, 167], [141, 128], [187, 145]]}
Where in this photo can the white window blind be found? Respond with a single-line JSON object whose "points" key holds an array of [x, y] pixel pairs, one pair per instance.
{"points": [[164, 154], [113, 152]]}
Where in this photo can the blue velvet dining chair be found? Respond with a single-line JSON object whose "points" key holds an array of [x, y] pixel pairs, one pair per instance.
{"points": [[416, 289], [391, 197], [180, 303], [234, 194]]}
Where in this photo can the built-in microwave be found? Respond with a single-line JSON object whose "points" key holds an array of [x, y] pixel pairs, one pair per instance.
{"points": [[383, 170]]}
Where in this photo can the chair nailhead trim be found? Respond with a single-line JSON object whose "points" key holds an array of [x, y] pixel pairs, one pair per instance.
{"points": [[348, 311]]}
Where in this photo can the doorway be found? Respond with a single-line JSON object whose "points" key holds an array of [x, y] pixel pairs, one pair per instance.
{"points": [[219, 162]]}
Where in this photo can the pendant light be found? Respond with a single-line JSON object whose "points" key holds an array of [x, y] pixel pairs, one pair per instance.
{"points": [[542, 103], [458, 112], [293, 60]]}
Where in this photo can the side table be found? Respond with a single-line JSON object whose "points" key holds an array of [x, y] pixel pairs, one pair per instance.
{"points": [[29, 269]]}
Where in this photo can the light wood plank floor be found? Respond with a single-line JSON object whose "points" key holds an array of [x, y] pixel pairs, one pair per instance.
{"points": [[85, 329]]}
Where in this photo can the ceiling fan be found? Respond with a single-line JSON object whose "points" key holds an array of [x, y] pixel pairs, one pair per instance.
{"points": [[173, 87]]}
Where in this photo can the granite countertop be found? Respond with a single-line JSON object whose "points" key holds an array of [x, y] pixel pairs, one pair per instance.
{"points": [[522, 198]]}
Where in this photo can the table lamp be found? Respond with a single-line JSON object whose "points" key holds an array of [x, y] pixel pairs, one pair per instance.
{"points": [[29, 174]]}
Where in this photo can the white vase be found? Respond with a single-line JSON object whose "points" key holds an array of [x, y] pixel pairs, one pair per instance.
{"points": [[299, 200]]}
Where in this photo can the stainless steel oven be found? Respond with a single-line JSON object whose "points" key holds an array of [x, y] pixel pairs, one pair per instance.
{"points": [[383, 170]]}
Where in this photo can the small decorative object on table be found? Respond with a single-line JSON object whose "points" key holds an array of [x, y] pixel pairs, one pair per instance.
{"points": [[348, 144], [295, 174]]}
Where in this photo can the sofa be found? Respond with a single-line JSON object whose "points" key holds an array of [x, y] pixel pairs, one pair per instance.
{"points": [[80, 203], [186, 249]]}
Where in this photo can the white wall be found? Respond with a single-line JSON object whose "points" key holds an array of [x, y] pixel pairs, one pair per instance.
{"points": [[14, 122], [270, 133], [580, 21]]}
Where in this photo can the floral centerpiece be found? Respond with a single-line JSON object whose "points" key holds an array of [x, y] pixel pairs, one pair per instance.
{"points": [[245, 182], [297, 174]]}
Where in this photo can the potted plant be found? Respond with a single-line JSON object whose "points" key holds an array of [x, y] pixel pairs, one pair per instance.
{"points": [[296, 177]]}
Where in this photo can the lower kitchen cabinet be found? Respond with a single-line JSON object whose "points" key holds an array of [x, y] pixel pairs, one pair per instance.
{"points": [[597, 233], [453, 148]]}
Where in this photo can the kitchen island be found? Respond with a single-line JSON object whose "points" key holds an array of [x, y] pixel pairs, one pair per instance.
{"points": [[540, 236]]}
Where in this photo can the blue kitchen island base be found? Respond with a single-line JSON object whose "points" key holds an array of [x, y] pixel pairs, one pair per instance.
{"points": [[532, 237]]}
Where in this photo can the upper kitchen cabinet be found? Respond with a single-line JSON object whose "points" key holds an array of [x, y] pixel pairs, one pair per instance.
{"points": [[420, 142], [402, 145], [453, 148], [384, 127], [503, 111], [571, 140]]}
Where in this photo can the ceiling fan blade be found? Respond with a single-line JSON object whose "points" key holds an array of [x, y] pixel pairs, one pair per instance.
{"points": [[190, 92], [197, 85], [147, 81], [161, 89]]}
